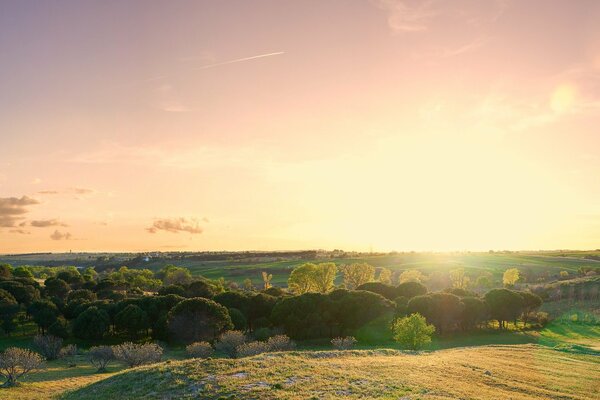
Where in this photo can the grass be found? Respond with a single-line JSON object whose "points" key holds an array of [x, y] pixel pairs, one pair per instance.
{"points": [[489, 372]]}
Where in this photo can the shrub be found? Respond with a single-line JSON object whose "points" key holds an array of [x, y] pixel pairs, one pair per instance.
{"points": [[69, 350], [252, 349], [280, 343], [134, 354], [15, 363], [100, 356], [412, 331], [229, 342], [343, 343], [199, 350], [49, 346]]}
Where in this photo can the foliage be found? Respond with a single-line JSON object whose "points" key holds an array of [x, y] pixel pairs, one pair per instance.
{"points": [[44, 313], [100, 357], [301, 279], [323, 276], [504, 305], [229, 341], [356, 274], [93, 323], [412, 275], [459, 278], [343, 343], [385, 276], [134, 354], [131, 320], [266, 277], [199, 350], [413, 331], [510, 277], [8, 311], [198, 319], [16, 363]]}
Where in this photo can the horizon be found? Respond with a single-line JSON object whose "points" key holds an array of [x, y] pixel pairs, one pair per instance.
{"points": [[364, 125]]}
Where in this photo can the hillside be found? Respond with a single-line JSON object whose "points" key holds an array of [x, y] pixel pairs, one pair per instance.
{"points": [[489, 372]]}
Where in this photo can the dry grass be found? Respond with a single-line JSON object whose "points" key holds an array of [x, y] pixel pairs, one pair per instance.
{"points": [[488, 372]]}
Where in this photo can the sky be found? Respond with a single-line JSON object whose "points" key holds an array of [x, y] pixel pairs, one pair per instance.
{"points": [[269, 125]]}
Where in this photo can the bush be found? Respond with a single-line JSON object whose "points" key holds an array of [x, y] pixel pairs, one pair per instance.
{"points": [[251, 349], [49, 346], [280, 343], [413, 331], [343, 343], [199, 350], [135, 355], [69, 350], [229, 342], [100, 356], [15, 363]]}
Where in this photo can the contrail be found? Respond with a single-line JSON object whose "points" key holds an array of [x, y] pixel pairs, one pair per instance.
{"points": [[237, 60]]}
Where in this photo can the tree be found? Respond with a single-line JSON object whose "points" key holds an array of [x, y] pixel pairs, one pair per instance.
{"points": [[9, 308], [410, 289], [266, 277], [531, 302], [483, 281], [198, 319], [81, 294], [385, 276], [16, 362], [44, 313], [201, 288], [300, 280], [6, 271], [58, 288], [248, 285], [356, 274], [100, 357], [412, 275], [504, 305], [413, 331], [171, 274], [510, 277], [49, 346], [323, 276], [93, 323], [387, 291], [459, 279], [23, 272], [131, 320], [474, 311]]}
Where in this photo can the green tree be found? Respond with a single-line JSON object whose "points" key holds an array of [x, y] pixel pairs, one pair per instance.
{"points": [[323, 276], [459, 279], [385, 276], [6, 271], [8, 311], [356, 274], [198, 319], [131, 320], [413, 331], [504, 305], [510, 277], [301, 279], [531, 302], [23, 272], [93, 323], [412, 275], [44, 313]]}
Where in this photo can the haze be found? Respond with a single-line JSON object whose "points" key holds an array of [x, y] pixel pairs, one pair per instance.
{"points": [[383, 125]]}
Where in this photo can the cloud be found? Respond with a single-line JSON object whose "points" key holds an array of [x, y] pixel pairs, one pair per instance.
{"points": [[82, 190], [60, 235], [20, 231], [44, 223], [36, 181], [12, 209], [168, 100], [405, 17], [176, 225], [48, 192]]}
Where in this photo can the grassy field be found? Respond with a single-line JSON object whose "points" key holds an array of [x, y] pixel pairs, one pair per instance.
{"points": [[251, 267], [490, 372]]}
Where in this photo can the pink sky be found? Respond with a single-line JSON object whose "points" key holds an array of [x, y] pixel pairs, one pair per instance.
{"points": [[384, 124]]}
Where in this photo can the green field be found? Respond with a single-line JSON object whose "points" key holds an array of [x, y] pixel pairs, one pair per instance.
{"points": [[252, 266], [488, 372]]}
